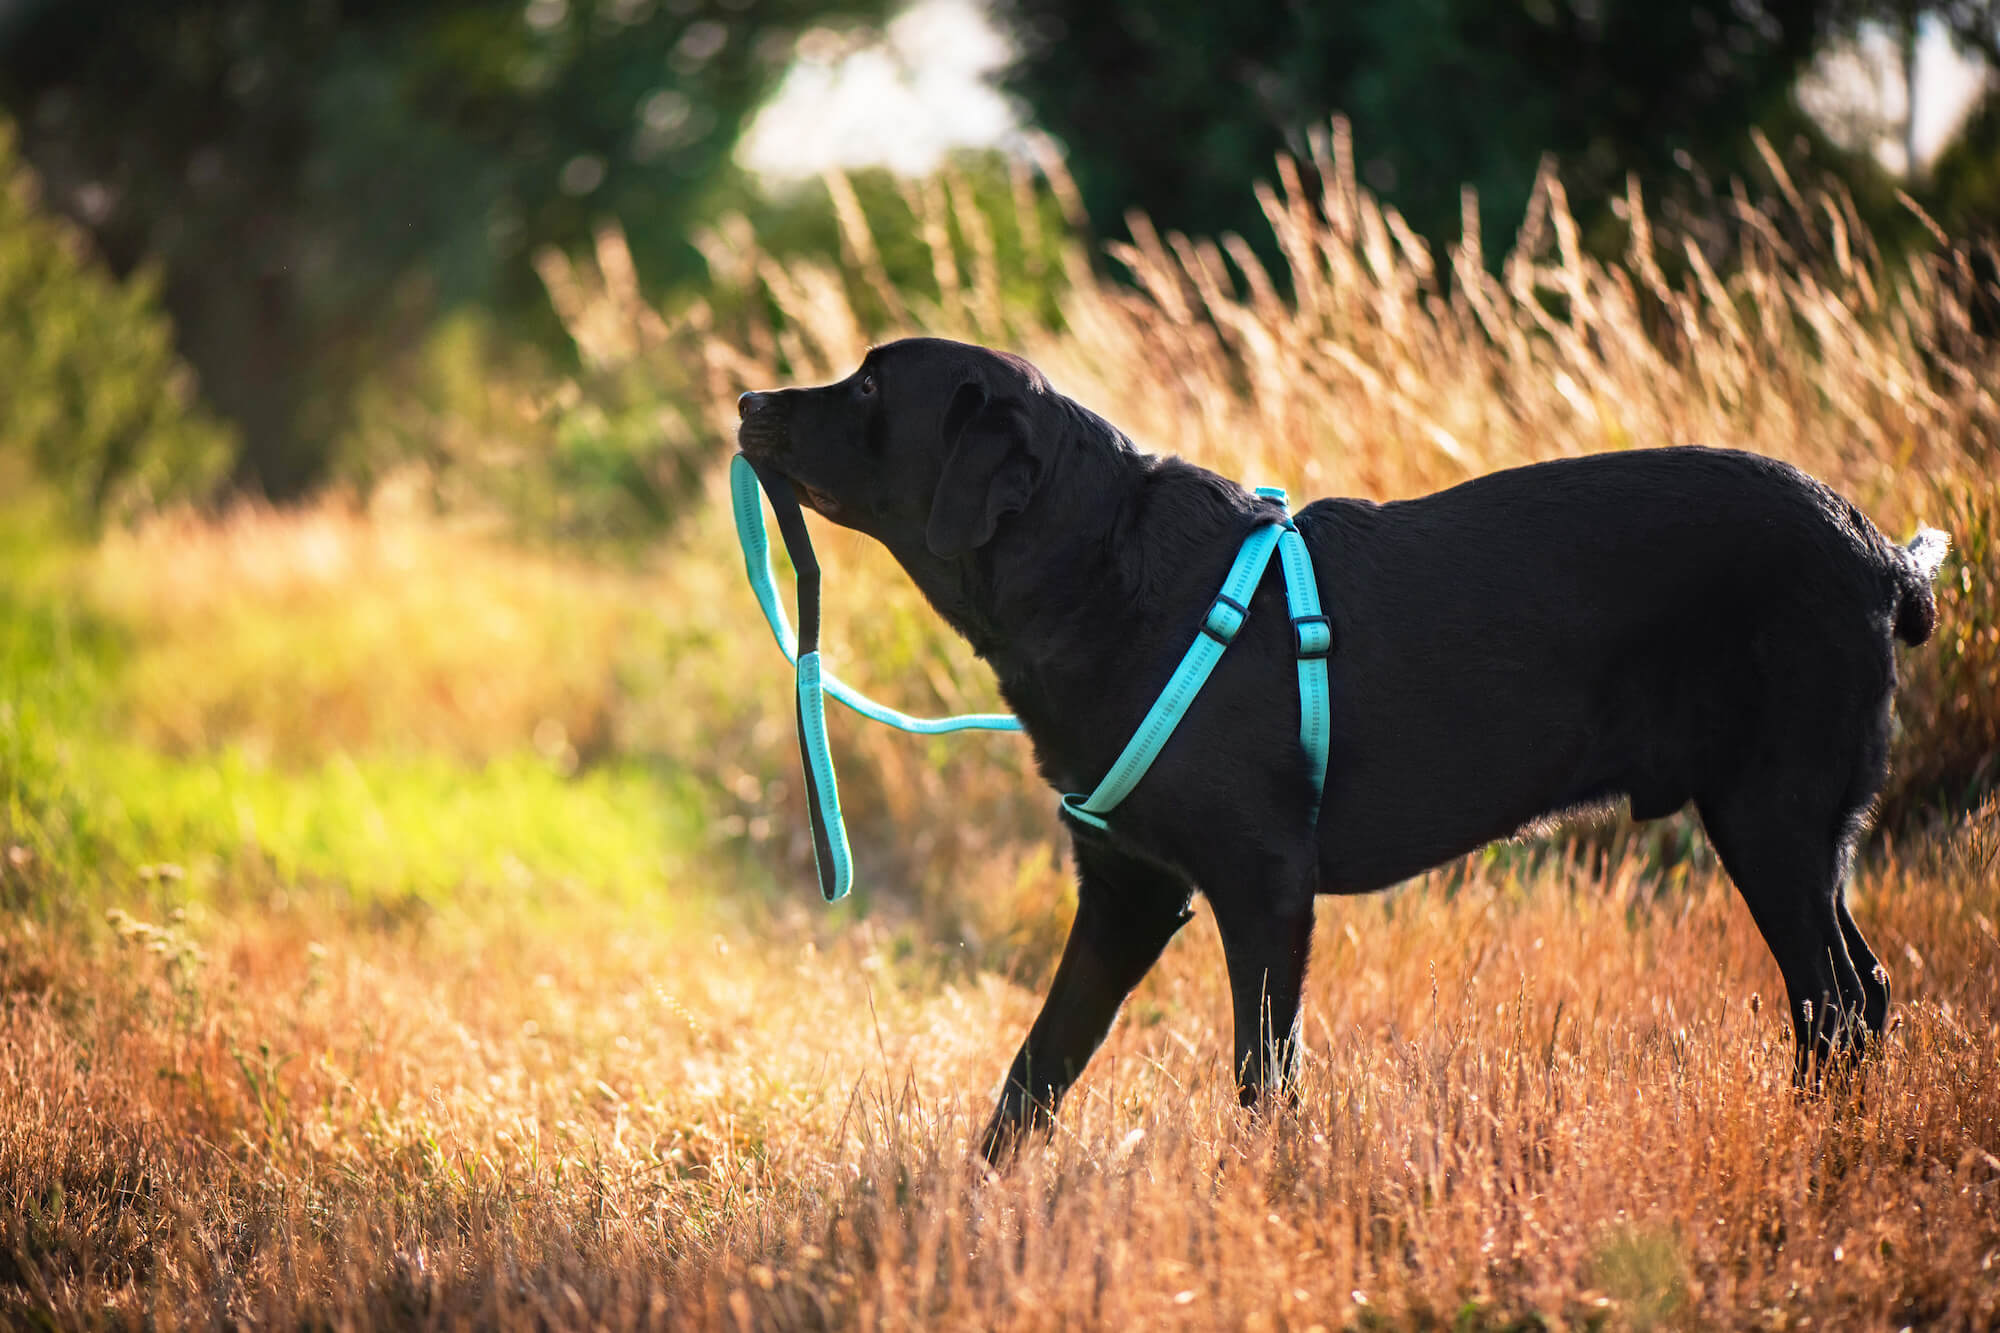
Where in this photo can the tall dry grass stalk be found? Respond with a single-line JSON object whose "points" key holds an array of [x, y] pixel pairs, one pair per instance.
{"points": [[1371, 366]]}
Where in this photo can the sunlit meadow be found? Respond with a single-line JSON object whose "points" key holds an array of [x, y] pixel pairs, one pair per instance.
{"points": [[405, 925]]}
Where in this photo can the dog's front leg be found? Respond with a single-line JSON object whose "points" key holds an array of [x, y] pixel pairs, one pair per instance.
{"points": [[1266, 945], [1126, 911]]}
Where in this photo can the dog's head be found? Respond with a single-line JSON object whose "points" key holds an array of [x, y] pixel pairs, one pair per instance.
{"points": [[929, 444]]}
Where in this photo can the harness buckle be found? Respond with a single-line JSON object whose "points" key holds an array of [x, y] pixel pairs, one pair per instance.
{"points": [[1225, 616], [1312, 636]]}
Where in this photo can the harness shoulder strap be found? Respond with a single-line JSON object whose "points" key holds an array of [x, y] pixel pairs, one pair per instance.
{"points": [[1225, 617], [1312, 642]]}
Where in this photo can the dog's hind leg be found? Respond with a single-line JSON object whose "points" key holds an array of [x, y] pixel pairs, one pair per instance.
{"points": [[1266, 940], [1874, 977], [1787, 854], [1868, 771], [1126, 911]]}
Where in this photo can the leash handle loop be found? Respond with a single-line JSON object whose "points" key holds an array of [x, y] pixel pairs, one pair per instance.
{"points": [[833, 862], [750, 535]]}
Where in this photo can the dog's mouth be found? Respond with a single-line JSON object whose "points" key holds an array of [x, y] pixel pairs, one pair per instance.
{"points": [[818, 501], [764, 440]]}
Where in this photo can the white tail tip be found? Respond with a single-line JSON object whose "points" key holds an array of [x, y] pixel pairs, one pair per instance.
{"points": [[1927, 550]]}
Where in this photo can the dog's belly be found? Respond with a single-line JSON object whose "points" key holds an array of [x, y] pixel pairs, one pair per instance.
{"points": [[1367, 845], [1371, 839], [1356, 857], [1429, 765]]}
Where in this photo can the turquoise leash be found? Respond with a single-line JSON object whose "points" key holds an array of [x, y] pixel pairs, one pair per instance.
{"points": [[832, 860], [1312, 642], [756, 545]]}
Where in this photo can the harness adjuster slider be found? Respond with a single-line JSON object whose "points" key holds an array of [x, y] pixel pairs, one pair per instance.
{"points": [[1312, 636], [1225, 616]]}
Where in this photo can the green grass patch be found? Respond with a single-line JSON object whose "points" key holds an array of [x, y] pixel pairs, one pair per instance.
{"points": [[89, 816]]}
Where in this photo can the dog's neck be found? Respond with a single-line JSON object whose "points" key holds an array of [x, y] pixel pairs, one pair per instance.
{"points": [[1051, 602]]}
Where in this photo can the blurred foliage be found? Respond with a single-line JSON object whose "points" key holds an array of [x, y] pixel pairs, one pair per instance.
{"points": [[93, 398], [337, 193], [606, 451], [1451, 94], [1174, 109], [317, 180], [1974, 25], [1961, 187], [1964, 185], [388, 715]]}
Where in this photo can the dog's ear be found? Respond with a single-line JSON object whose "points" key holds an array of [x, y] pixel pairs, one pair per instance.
{"points": [[990, 471]]}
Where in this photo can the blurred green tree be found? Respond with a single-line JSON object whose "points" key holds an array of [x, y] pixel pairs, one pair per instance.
{"points": [[1175, 106], [93, 400], [318, 179], [1961, 188]]}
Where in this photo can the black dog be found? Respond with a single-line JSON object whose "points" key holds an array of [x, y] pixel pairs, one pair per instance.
{"points": [[1664, 625]]}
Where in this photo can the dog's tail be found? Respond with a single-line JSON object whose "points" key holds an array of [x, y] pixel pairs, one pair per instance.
{"points": [[1916, 565]]}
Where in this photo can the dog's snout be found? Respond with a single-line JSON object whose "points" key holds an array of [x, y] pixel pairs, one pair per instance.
{"points": [[762, 430]]}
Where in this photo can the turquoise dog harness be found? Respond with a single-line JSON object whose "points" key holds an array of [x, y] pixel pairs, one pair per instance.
{"points": [[1312, 638]]}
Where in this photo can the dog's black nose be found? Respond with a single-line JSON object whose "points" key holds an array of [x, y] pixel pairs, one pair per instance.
{"points": [[750, 402]]}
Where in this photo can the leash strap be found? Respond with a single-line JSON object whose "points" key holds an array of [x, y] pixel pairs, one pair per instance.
{"points": [[1312, 635], [832, 862]]}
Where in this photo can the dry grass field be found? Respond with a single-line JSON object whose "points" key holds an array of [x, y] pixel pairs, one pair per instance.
{"points": [[1541, 1098], [401, 927]]}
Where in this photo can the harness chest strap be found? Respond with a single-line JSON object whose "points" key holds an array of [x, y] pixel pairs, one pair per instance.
{"points": [[1312, 642]]}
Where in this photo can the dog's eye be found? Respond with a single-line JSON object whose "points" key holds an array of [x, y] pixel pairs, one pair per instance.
{"points": [[867, 385]]}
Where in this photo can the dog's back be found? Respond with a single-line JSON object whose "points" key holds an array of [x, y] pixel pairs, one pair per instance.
{"points": [[1632, 624]]}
